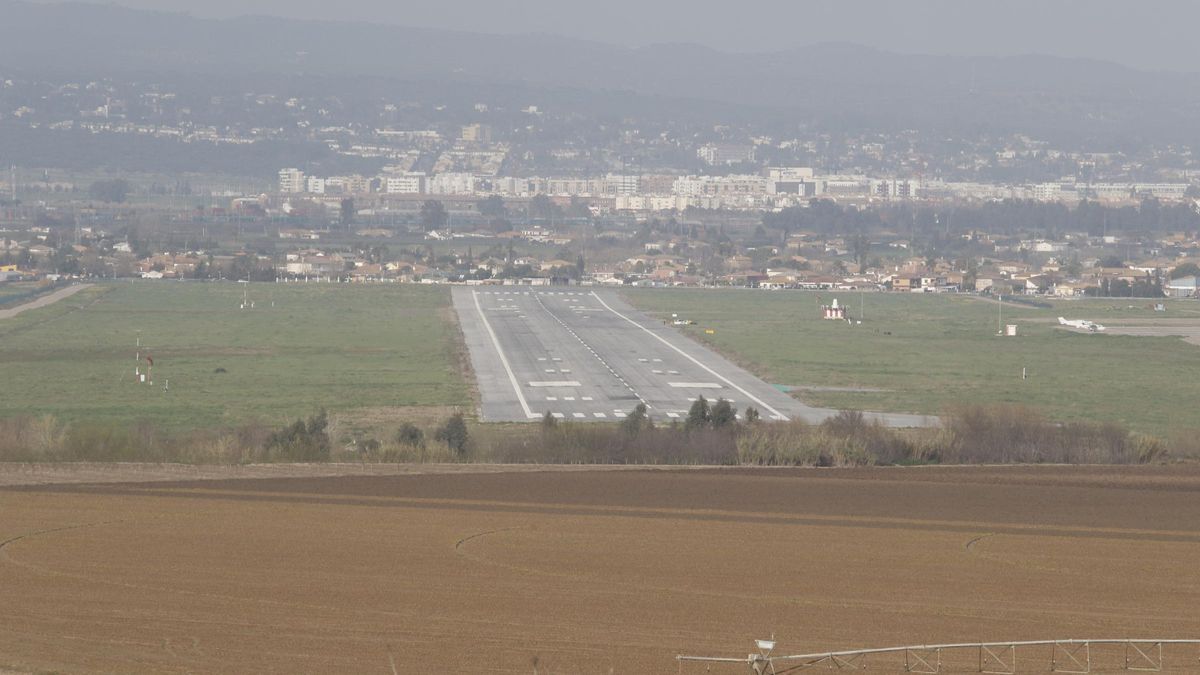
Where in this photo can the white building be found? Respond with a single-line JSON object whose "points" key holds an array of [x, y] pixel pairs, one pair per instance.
{"points": [[615, 184], [291, 181], [715, 154], [1047, 192], [314, 185], [452, 184], [895, 189], [582, 187], [347, 185], [405, 184], [719, 186]]}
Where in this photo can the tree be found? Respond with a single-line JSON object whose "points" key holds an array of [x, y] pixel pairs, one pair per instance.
{"points": [[454, 435], [723, 414], [1073, 267], [410, 435], [549, 421], [699, 415], [860, 246], [433, 215], [348, 211], [542, 207], [303, 441], [752, 415], [114, 191], [492, 207], [636, 421], [1187, 269]]}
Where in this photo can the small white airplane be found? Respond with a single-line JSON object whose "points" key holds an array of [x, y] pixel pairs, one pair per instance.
{"points": [[1082, 324]]}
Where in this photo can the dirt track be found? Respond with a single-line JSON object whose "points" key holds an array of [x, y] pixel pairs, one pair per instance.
{"points": [[48, 299], [583, 571]]}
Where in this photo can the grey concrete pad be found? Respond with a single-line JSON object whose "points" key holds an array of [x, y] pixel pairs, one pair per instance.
{"points": [[583, 355]]}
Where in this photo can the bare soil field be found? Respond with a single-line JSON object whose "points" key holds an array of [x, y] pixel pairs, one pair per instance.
{"points": [[589, 571]]}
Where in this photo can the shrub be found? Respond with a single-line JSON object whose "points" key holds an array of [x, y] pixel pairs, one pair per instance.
{"points": [[454, 434], [411, 435], [723, 415], [699, 415], [302, 441]]}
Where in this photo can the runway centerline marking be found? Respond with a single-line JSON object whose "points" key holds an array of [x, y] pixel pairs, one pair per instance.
{"points": [[512, 378], [691, 358], [593, 353]]}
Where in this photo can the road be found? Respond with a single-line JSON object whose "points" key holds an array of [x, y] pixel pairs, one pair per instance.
{"points": [[587, 355], [44, 300]]}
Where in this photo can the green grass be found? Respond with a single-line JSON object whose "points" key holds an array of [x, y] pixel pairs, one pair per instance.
{"points": [[931, 351], [14, 293], [303, 347]]}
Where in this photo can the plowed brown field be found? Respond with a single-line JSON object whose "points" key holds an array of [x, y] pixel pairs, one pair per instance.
{"points": [[590, 571]]}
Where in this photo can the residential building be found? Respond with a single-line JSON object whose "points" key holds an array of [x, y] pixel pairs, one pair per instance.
{"points": [[409, 183], [718, 154], [291, 181]]}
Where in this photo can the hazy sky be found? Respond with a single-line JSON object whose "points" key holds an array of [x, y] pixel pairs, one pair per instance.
{"points": [[1157, 34]]}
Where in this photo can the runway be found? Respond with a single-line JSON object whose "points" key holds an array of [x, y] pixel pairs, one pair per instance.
{"points": [[586, 355]]}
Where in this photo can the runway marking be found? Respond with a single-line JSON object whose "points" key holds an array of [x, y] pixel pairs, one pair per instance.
{"points": [[580, 415], [658, 360], [503, 359], [550, 370], [551, 398], [556, 383], [695, 385], [619, 414], [541, 358], [599, 415], [592, 351], [586, 398], [565, 370], [673, 415], [644, 360], [775, 413], [657, 372], [672, 372], [568, 398], [557, 415]]}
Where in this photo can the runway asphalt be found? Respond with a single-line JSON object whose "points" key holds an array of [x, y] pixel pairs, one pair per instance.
{"points": [[583, 354]]}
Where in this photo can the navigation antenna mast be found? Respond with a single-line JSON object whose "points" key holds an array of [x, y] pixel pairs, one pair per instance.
{"points": [[1000, 315]]}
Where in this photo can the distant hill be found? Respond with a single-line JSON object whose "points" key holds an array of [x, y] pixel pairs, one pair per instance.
{"points": [[835, 85]]}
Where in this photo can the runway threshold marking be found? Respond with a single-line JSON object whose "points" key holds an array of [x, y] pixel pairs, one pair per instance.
{"points": [[693, 359], [512, 378]]}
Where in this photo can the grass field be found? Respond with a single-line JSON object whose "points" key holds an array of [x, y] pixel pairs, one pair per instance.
{"points": [[14, 293], [924, 352], [368, 349], [592, 571]]}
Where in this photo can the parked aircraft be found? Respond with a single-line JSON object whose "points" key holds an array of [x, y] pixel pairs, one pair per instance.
{"points": [[1082, 324]]}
